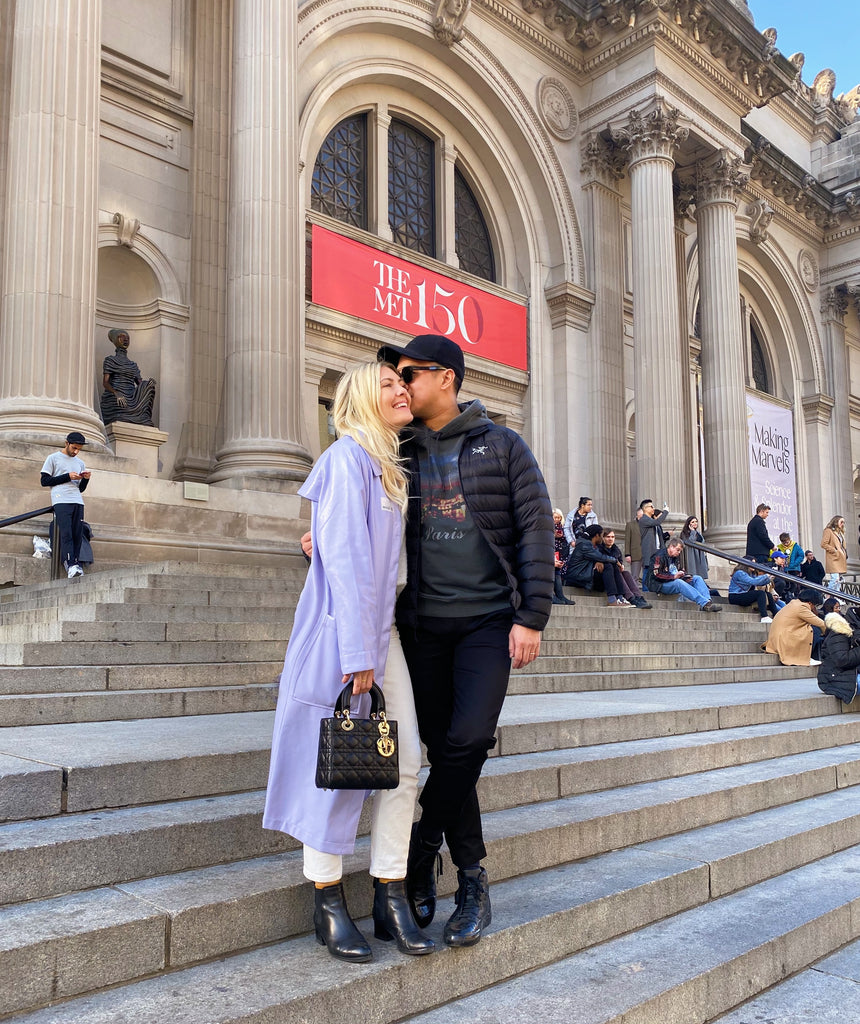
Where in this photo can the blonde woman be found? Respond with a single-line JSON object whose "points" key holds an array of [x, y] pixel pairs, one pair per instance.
{"points": [[343, 627], [835, 553]]}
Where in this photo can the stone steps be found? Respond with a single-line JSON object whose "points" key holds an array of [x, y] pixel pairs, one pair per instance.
{"points": [[76, 678], [65, 852], [826, 993], [635, 781], [269, 897], [110, 705], [705, 960], [623, 937], [149, 612], [68, 768], [573, 682]]}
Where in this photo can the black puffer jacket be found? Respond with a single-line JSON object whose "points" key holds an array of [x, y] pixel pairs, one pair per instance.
{"points": [[507, 498], [840, 659]]}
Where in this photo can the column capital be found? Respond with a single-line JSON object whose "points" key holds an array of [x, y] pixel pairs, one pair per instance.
{"points": [[652, 133], [834, 302], [602, 161], [818, 408], [720, 178]]}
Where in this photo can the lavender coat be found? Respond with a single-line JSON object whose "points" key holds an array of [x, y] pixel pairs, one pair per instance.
{"points": [[342, 624]]}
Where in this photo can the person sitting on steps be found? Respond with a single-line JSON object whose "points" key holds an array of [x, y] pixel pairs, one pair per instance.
{"points": [[746, 589], [591, 569], [632, 594], [666, 576]]}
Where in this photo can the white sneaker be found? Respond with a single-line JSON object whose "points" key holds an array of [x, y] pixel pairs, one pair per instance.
{"points": [[766, 618], [812, 661], [75, 570]]}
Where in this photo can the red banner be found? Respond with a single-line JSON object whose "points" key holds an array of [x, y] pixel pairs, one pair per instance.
{"points": [[368, 283]]}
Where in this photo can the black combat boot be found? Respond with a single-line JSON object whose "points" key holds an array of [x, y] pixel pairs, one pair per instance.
{"points": [[473, 913]]}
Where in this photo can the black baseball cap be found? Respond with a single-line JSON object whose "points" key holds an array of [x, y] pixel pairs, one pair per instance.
{"points": [[76, 437], [429, 348]]}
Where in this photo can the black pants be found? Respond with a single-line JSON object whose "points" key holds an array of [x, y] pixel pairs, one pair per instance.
{"points": [[460, 670], [70, 524], [760, 597], [609, 580]]}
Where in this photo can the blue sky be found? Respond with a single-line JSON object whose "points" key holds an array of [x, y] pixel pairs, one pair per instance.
{"points": [[827, 31]]}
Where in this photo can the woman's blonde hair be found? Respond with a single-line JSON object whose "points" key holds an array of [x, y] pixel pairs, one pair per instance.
{"points": [[357, 414], [834, 524]]}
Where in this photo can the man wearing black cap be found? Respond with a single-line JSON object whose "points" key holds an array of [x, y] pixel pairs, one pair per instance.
{"points": [[67, 476], [479, 545]]}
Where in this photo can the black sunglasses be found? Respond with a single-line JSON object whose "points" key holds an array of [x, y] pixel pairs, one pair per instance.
{"points": [[407, 374]]}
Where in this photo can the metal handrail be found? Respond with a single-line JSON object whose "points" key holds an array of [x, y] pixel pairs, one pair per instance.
{"points": [[55, 545], [27, 515], [759, 568]]}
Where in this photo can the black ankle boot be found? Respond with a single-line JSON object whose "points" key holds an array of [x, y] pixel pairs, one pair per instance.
{"points": [[335, 929], [473, 913], [422, 868], [392, 919]]}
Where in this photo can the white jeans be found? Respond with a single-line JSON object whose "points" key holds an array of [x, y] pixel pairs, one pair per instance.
{"points": [[834, 581], [393, 809]]}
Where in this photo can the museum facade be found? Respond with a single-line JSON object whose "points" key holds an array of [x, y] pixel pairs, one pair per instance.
{"points": [[636, 216]]}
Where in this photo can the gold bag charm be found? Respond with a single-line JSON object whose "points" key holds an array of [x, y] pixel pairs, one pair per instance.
{"points": [[385, 744]]}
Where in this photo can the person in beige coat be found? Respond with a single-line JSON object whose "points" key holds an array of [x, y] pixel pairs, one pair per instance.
{"points": [[796, 631], [835, 554]]}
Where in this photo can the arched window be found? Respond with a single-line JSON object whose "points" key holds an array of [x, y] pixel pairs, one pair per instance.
{"points": [[758, 361], [340, 189], [472, 239], [411, 188], [339, 186]]}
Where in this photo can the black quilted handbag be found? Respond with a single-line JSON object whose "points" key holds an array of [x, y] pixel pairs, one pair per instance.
{"points": [[358, 753]]}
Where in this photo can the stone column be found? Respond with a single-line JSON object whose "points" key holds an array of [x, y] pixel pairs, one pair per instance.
{"points": [[719, 181], [212, 56], [607, 415], [51, 221], [834, 306], [262, 417], [660, 385]]}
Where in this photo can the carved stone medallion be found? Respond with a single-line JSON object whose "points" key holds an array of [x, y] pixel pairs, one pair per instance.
{"points": [[557, 108], [808, 270]]}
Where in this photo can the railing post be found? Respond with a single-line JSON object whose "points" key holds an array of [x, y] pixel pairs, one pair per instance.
{"points": [[55, 549]]}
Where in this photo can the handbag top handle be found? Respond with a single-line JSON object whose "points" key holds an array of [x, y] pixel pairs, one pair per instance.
{"points": [[377, 702]]}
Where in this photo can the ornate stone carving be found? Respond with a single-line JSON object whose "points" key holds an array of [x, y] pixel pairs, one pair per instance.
{"points": [[449, 19], [797, 60], [761, 214], [834, 303], [807, 267], [685, 201], [557, 108], [769, 49], [602, 161], [790, 184], [822, 88], [654, 133], [720, 178], [127, 228], [852, 205], [849, 102]]}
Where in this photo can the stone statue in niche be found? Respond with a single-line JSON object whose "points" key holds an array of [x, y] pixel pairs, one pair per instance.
{"points": [[127, 398]]}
